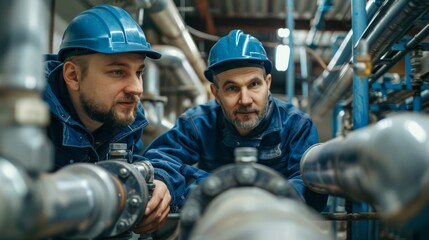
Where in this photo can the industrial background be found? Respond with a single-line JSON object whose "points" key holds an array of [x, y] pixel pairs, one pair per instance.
{"points": [[359, 68]]}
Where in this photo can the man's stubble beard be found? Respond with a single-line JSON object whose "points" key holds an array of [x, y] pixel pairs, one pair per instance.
{"points": [[243, 125], [110, 116]]}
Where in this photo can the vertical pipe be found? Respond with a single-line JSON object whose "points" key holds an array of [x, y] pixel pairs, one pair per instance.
{"points": [[291, 69], [23, 114], [360, 84], [360, 106], [304, 75]]}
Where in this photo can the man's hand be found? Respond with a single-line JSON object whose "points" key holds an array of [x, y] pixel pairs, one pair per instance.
{"points": [[156, 211]]}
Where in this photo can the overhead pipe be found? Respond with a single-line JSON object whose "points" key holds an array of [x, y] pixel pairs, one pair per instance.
{"points": [[390, 24], [174, 60], [323, 85], [317, 22], [385, 164], [168, 20]]}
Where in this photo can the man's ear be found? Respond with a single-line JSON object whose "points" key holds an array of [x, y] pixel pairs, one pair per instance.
{"points": [[268, 80], [215, 91], [71, 75]]}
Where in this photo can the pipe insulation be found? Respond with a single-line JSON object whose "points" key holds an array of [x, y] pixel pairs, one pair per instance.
{"points": [[385, 164]]}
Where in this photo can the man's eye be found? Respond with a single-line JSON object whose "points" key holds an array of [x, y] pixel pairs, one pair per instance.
{"points": [[231, 89], [117, 72], [254, 84]]}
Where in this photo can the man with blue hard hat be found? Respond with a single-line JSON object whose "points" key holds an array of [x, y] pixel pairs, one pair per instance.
{"points": [[93, 89], [243, 114]]}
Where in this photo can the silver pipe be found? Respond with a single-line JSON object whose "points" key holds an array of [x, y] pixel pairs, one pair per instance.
{"points": [[385, 164], [391, 24], [255, 214], [22, 113], [331, 76], [393, 20], [151, 79], [337, 90], [71, 200], [174, 59], [167, 18]]}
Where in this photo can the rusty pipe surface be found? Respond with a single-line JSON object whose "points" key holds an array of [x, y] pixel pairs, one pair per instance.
{"points": [[385, 164]]}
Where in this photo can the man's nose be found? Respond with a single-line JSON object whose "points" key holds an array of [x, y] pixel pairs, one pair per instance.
{"points": [[245, 97], [135, 86]]}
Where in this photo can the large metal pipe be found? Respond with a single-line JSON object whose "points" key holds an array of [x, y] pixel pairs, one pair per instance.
{"points": [[71, 199], [247, 200], [255, 214], [23, 114], [385, 164], [168, 20], [78, 201]]}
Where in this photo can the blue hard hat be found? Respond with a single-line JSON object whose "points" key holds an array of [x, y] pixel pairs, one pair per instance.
{"points": [[104, 29], [237, 49]]}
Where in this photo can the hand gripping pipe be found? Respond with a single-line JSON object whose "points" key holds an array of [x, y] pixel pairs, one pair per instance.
{"points": [[386, 164], [249, 201]]}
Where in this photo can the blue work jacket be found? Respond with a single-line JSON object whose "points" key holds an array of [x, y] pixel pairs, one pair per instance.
{"points": [[204, 137], [73, 142]]}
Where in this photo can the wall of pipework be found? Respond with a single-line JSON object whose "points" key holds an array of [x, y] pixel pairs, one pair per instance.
{"points": [[375, 165]]}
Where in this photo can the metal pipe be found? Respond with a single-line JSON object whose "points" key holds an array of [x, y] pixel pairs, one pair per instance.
{"points": [[386, 28], [391, 24], [256, 214], [168, 20], [23, 114], [317, 22], [290, 77], [71, 199], [173, 59], [398, 56], [341, 59], [385, 164]]}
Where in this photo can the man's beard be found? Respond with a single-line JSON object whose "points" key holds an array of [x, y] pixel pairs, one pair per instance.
{"points": [[239, 124], [109, 116]]}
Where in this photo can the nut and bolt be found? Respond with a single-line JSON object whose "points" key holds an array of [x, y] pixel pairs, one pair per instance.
{"points": [[246, 175], [212, 186], [124, 173]]}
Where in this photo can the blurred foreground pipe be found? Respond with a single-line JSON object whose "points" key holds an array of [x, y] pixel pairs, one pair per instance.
{"points": [[80, 201], [386, 164], [248, 201], [254, 214]]}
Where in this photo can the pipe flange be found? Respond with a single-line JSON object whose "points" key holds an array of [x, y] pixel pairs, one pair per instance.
{"points": [[135, 191], [228, 177]]}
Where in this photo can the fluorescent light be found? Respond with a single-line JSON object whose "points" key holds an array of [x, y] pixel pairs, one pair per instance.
{"points": [[282, 57], [283, 32]]}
